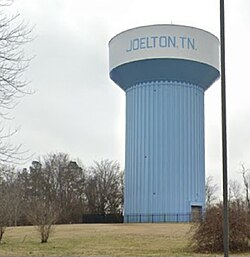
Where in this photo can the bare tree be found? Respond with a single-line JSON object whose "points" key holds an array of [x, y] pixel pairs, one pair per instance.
{"points": [[54, 192], [6, 197], [208, 233], [210, 191], [42, 206], [16, 200], [104, 191], [69, 182], [43, 214], [235, 194], [4, 209], [14, 34], [246, 179]]}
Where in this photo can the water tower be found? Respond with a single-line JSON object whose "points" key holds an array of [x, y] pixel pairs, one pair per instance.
{"points": [[164, 71]]}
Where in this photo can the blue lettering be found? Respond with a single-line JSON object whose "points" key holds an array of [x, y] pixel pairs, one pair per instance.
{"points": [[154, 41], [130, 47], [190, 43], [163, 41], [148, 45], [142, 43], [183, 41], [136, 44], [172, 41]]}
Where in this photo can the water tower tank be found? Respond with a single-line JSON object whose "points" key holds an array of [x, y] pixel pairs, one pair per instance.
{"points": [[164, 71]]}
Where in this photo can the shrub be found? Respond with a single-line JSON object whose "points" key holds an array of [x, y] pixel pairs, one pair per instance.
{"points": [[208, 234]]}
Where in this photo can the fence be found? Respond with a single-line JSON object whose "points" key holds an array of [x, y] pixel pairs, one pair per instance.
{"points": [[164, 218], [96, 218], [142, 218]]}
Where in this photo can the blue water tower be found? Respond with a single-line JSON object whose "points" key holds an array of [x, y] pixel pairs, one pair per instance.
{"points": [[164, 71]]}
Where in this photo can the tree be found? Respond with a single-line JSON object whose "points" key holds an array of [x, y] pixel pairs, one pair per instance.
{"points": [[7, 198], [104, 190], [14, 34], [4, 207], [44, 215], [246, 179], [42, 208], [69, 180], [4, 212], [54, 192], [210, 191], [208, 234], [235, 194]]}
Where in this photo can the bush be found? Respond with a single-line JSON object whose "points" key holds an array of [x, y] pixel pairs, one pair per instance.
{"points": [[208, 234]]}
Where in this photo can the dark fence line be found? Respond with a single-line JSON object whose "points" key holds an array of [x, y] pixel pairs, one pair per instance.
{"points": [[97, 218], [142, 218], [163, 218]]}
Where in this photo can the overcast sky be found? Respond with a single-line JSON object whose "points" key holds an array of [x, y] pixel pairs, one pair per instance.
{"points": [[78, 110]]}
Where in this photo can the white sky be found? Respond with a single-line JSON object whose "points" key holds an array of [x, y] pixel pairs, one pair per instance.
{"points": [[77, 109]]}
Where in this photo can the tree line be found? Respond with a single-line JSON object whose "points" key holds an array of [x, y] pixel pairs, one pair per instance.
{"points": [[56, 189]]}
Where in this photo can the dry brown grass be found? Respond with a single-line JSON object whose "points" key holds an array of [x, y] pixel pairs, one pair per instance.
{"points": [[100, 240]]}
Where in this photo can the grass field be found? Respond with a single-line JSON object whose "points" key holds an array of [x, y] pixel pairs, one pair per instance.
{"points": [[100, 240]]}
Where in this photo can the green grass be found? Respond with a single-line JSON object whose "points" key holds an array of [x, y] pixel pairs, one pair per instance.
{"points": [[101, 239]]}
